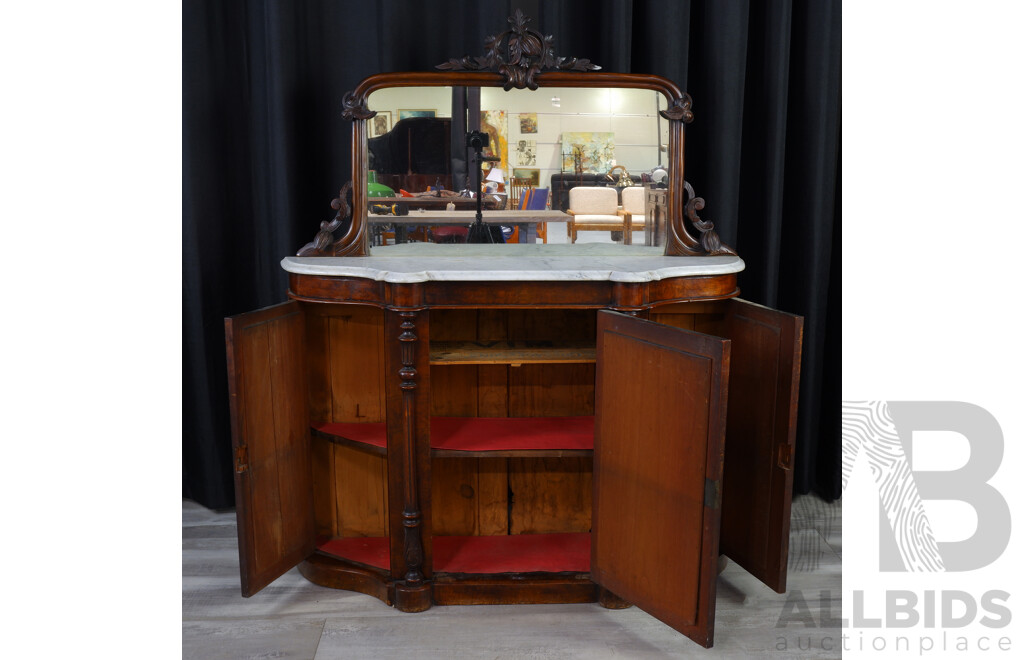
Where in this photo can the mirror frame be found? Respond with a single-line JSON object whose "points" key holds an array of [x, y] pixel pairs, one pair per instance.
{"points": [[520, 58]]}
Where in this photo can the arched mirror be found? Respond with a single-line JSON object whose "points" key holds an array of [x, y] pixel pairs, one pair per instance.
{"points": [[540, 144]]}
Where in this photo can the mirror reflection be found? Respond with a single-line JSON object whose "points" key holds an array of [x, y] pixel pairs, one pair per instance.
{"points": [[481, 165]]}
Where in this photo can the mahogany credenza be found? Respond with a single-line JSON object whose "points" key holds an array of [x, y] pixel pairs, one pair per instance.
{"points": [[489, 423]]}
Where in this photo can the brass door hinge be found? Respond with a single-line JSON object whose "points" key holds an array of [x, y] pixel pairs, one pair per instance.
{"points": [[241, 459], [712, 493], [785, 457]]}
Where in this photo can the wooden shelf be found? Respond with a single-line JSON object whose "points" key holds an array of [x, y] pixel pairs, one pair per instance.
{"points": [[512, 352], [371, 438], [370, 551], [480, 555], [540, 437], [513, 553], [479, 437]]}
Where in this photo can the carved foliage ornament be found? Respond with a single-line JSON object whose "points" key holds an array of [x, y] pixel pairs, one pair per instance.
{"points": [[519, 55], [353, 107], [709, 239], [323, 243], [680, 109]]}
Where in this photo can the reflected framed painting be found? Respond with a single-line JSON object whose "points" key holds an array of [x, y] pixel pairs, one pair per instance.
{"points": [[406, 114], [528, 173], [528, 122], [380, 123]]}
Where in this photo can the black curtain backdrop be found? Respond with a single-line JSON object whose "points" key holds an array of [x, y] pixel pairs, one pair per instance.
{"points": [[265, 150]]}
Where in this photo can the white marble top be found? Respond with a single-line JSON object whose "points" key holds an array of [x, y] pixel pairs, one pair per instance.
{"points": [[426, 262]]}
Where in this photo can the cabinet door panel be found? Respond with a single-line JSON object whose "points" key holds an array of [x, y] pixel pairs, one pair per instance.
{"points": [[270, 436], [659, 429], [758, 479]]}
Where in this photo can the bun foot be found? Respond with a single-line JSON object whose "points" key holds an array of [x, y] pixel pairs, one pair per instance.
{"points": [[609, 600], [413, 599]]}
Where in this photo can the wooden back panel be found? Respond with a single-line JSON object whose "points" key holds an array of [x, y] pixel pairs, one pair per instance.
{"points": [[660, 425], [270, 435], [470, 496], [345, 363]]}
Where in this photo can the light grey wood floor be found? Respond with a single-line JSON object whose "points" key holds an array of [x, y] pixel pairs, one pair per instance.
{"points": [[293, 618]]}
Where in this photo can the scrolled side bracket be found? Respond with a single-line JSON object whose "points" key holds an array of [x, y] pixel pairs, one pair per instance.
{"points": [[323, 244], [709, 239]]}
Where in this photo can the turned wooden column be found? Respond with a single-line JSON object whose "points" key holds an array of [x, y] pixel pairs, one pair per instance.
{"points": [[408, 423]]}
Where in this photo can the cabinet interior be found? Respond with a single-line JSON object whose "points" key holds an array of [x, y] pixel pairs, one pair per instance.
{"points": [[486, 365]]}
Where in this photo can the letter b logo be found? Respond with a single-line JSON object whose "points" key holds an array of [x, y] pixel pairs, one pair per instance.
{"points": [[883, 431]]}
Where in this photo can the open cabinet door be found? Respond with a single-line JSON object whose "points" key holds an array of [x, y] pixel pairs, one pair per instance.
{"points": [[758, 479], [659, 429], [270, 436]]}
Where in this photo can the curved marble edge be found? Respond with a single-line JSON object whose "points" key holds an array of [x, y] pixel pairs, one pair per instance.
{"points": [[410, 270]]}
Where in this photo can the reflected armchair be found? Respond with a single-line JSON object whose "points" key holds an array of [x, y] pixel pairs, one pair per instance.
{"points": [[634, 202], [595, 209]]}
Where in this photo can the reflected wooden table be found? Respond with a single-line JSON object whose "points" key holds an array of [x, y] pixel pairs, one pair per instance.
{"points": [[526, 221]]}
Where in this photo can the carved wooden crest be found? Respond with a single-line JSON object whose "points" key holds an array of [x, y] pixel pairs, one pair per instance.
{"points": [[519, 54]]}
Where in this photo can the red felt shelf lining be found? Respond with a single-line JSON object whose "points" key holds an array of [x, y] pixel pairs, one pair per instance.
{"points": [[369, 550], [516, 553], [484, 433]]}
